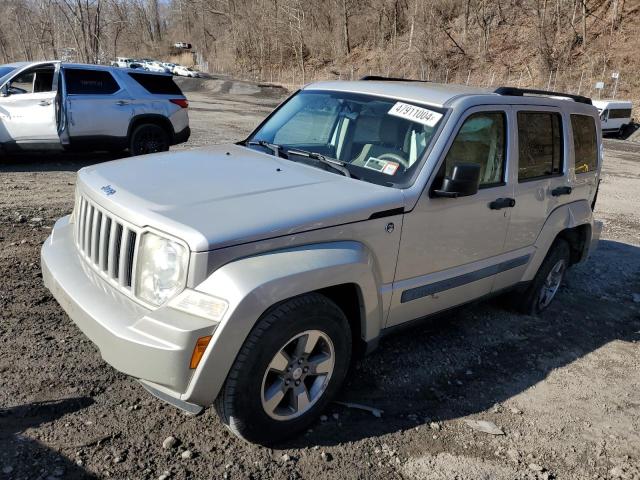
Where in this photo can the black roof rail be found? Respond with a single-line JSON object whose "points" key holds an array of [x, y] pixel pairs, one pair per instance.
{"points": [[520, 92], [389, 79]]}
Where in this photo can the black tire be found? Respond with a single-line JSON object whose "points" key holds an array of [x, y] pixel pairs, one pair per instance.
{"points": [[148, 138], [531, 302], [240, 402]]}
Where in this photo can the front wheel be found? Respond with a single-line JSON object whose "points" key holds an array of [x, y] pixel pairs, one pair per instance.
{"points": [[291, 365], [148, 138]]}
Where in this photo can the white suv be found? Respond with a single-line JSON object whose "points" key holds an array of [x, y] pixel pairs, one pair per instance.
{"points": [[54, 105]]}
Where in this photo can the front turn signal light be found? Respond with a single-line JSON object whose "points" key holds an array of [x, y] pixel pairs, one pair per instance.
{"points": [[198, 351]]}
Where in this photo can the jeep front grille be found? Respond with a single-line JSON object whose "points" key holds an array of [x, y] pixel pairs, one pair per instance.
{"points": [[106, 242]]}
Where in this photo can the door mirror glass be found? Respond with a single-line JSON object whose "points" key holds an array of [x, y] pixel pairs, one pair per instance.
{"points": [[463, 181]]}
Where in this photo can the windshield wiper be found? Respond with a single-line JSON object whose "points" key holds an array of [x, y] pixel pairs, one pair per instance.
{"points": [[276, 149], [330, 162]]}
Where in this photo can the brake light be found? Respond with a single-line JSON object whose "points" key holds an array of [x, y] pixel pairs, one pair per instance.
{"points": [[181, 102]]}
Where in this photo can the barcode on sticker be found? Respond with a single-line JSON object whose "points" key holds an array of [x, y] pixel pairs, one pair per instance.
{"points": [[415, 114]]}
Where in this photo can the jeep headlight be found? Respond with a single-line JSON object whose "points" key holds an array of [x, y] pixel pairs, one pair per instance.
{"points": [[162, 269]]}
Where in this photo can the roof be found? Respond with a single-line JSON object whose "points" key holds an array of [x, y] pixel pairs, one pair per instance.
{"points": [[82, 65], [612, 102], [436, 94], [445, 95]]}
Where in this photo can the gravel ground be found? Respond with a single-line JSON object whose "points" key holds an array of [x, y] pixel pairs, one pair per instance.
{"points": [[564, 387]]}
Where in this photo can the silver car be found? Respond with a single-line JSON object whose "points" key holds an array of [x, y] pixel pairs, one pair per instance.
{"points": [[65, 106], [250, 275]]}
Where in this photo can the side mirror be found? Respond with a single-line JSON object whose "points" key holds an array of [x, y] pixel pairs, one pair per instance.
{"points": [[464, 181], [4, 91]]}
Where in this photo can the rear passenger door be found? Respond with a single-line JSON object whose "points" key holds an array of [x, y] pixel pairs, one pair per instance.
{"points": [[97, 105], [541, 180]]}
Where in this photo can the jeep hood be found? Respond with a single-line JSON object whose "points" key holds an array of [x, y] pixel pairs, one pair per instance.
{"points": [[226, 195]]}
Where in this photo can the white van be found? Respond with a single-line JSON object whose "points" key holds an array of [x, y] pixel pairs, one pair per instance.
{"points": [[615, 115]]}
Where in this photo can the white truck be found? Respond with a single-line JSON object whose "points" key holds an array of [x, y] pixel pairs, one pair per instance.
{"points": [[615, 115]]}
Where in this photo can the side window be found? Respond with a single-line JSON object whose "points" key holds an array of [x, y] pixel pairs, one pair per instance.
{"points": [[37, 80], [620, 113], [90, 82], [539, 145], [481, 140], [585, 144]]}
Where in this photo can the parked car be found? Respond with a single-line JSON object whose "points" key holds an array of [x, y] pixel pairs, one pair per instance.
{"points": [[249, 275], [182, 45], [124, 62], [54, 105], [615, 115], [170, 66], [183, 71], [156, 67]]}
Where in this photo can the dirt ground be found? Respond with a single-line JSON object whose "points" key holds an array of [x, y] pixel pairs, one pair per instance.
{"points": [[564, 387]]}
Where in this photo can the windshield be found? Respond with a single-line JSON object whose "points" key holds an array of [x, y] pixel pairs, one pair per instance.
{"points": [[5, 71], [377, 139]]}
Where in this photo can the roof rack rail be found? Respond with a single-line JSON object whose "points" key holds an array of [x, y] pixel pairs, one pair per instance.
{"points": [[519, 92], [389, 79]]}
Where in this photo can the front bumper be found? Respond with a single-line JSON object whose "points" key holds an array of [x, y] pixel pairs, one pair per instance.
{"points": [[154, 346]]}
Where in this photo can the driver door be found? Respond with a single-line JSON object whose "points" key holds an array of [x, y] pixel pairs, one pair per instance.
{"points": [[452, 248], [29, 106]]}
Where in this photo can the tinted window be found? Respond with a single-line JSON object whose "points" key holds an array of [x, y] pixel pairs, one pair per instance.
{"points": [[539, 144], [481, 140], [585, 145], [620, 113], [157, 84], [90, 82]]}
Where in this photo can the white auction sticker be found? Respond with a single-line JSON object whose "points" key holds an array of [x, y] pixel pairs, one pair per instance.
{"points": [[415, 114]]}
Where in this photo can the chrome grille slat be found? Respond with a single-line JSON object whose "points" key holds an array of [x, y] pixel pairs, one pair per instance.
{"points": [[87, 230], [111, 254], [104, 238], [124, 257], [95, 235], [106, 243]]}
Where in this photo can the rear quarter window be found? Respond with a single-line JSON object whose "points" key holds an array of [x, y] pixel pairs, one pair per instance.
{"points": [[539, 145], [157, 84], [585, 143], [89, 82]]}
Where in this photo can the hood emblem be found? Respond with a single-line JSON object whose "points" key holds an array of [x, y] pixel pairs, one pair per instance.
{"points": [[108, 190]]}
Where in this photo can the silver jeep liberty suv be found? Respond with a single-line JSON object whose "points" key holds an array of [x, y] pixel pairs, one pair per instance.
{"points": [[248, 275]]}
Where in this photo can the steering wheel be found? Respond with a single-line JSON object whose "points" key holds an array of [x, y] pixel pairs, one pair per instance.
{"points": [[16, 90], [396, 158]]}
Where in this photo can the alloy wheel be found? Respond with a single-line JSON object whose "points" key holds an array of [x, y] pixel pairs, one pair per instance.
{"points": [[551, 284], [298, 375]]}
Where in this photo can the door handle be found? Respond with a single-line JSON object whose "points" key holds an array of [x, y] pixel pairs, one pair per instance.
{"points": [[44, 103], [556, 192], [122, 103], [500, 203]]}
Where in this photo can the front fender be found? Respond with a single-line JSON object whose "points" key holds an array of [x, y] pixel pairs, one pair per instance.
{"points": [[252, 285], [566, 216]]}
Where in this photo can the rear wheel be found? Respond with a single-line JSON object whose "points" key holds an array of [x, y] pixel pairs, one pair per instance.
{"points": [[148, 138], [547, 281], [291, 365]]}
